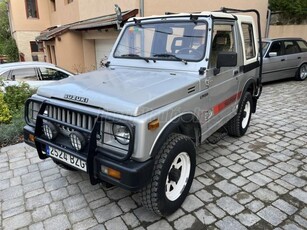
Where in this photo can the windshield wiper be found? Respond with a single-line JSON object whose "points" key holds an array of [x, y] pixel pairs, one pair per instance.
{"points": [[171, 56], [135, 55]]}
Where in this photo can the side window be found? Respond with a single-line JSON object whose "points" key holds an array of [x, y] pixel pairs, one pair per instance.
{"points": [[302, 45], [51, 74], [5, 75], [248, 36], [223, 41], [276, 47], [26, 74], [291, 47], [31, 8]]}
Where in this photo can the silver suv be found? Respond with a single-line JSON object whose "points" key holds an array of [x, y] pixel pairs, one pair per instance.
{"points": [[171, 82]]}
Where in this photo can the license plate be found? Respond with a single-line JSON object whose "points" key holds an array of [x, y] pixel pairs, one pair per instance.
{"points": [[67, 158]]}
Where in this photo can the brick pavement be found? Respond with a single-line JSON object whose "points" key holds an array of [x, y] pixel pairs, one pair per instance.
{"points": [[258, 181]]}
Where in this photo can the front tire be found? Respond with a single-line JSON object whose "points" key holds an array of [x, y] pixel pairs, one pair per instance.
{"points": [[238, 125], [172, 175], [302, 72]]}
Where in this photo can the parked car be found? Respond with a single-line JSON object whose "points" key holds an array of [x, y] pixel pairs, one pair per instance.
{"points": [[33, 73], [284, 58]]}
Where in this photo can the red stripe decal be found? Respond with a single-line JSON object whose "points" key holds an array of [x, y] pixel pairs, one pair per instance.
{"points": [[219, 107]]}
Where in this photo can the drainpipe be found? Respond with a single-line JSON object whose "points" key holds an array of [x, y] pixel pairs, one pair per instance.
{"points": [[268, 21], [142, 8]]}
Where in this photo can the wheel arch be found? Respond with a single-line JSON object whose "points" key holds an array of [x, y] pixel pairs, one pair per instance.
{"points": [[186, 124], [250, 86]]}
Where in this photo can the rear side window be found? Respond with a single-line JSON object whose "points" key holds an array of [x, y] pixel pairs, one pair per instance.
{"points": [[24, 74], [291, 47], [302, 45], [248, 36]]}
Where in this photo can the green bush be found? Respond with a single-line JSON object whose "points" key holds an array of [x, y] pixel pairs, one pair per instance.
{"points": [[12, 133], [5, 115], [12, 112], [16, 96]]}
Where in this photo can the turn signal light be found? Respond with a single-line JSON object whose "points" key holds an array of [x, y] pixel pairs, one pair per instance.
{"points": [[111, 172], [153, 124], [31, 137]]}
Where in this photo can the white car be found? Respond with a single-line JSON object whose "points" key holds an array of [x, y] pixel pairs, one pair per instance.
{"points": [[33, 73]]}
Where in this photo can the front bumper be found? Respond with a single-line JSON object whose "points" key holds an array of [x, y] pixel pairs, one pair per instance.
{"points": [[134, 175]]}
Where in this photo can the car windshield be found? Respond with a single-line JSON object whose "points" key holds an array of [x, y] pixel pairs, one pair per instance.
{"points": [[177, 41], [265, 46]]}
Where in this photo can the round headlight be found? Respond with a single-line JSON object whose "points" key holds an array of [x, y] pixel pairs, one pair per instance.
{"points": [[77, 140], [50, 130], [121, 134]]}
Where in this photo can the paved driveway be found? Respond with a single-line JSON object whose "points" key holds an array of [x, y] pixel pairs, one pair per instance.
{"points": [[258, 181]]}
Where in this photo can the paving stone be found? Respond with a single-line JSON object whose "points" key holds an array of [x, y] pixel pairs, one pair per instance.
{"points": [[13, 211], [127, 204], [230, 205], [57, 208], [204, 196], [74, 203], [206, 167], [219, 213], [59, 194], [17, 221], [187, 222], [11, 192], [269, 173], [80, 215], [56, 184], [116, 223], [86, 224], [227, 188], [255, 205], [229, 223], [286, 167], [161, 224], [236, 167], [259, 179], [224, 161], [12, 203], [240, 181], [285, 206], [251, 187], [291, 226], [131, 220], [255, 166], [285, 184], [243, 197], [205, 181], [272, 215], [196, 186], [303, 212], [38, 201], [246, 173], [277, 188], [296, 181], [145, 216], [36, 226], [299, 194], [107, 212], [301, 221], [251, 155], [118, 193], [191, 203], [99, 203], [265, 195], [57, 222], [248, 219], [225, 172], [205, 216], [41, 213]]}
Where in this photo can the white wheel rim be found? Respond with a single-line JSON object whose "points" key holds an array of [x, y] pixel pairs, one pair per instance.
{"points": [[303, 71], [173, 190], [247, 111]]}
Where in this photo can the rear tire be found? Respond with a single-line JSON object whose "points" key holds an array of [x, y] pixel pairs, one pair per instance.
{"points": [[238, 125], [172, 175], [301, 74]]}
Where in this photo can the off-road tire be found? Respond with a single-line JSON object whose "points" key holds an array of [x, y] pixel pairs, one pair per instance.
{"points": [[154, 196], [301, 74], [238, 125]]}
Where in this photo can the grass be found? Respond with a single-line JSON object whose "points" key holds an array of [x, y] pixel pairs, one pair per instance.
{"points": [[12, 133]]}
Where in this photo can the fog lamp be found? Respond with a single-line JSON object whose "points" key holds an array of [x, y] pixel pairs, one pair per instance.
{"points": [[50, 130], [77, 140]]}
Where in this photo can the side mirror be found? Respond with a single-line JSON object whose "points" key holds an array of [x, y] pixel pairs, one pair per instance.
{"points": [[225, 59], [273, 54]]}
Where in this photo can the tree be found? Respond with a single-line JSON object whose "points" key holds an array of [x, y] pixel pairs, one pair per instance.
{"points": [[294, 11], [8, 45]]}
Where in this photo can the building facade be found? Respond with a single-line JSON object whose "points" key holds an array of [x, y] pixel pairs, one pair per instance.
{"points": [[78, 34]]}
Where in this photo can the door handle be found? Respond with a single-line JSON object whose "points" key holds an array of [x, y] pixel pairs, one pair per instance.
{"points": [[299, 57], [235, 72], [283, 59]]}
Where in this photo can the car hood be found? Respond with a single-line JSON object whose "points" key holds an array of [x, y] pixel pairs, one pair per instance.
{"points": [[125, 91]]}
